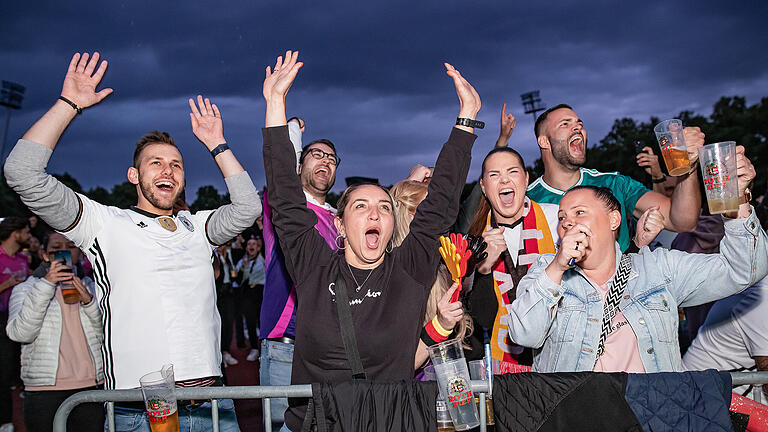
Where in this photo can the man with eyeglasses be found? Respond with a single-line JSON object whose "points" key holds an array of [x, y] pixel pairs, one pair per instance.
{"points": [[316, 167]]}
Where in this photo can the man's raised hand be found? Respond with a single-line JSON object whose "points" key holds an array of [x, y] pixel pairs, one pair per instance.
{"points": [[470, 100], [81, 81], [206, 122], [279, 80]]}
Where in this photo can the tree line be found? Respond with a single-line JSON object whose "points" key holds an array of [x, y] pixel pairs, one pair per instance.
{"points": [[731, 120]]}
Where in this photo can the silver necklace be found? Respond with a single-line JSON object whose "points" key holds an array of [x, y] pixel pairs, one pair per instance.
{"points": [[359, 286]]}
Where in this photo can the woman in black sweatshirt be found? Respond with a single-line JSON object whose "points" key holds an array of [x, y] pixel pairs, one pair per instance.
{"points": [[388, 287]]}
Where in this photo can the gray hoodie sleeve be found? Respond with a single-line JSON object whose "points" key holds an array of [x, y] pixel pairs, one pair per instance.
{"points": [[47, 197], [232, 219]]}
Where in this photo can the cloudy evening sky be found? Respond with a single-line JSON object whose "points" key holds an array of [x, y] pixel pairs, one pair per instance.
{"points": [[373, 80]]}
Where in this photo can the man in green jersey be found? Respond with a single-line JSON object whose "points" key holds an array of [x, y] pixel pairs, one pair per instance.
{"points": [[562, 140]]}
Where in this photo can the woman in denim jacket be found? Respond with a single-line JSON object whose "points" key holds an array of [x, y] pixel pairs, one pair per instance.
{"points": [[559, 307]]}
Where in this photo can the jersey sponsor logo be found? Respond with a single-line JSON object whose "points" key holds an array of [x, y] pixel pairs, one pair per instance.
{"points": [[187, 224], [167, 223]]}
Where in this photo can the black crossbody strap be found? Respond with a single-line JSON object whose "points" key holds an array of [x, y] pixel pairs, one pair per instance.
{"points": [[347, 327]]}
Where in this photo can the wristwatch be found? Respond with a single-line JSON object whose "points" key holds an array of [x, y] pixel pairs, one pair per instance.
{"points": [[463, 121], [221, 148]]}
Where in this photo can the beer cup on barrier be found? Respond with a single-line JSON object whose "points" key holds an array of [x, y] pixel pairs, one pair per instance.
{"points": [[718, 171], [478, 372], [669, 133], [453, 381], [160, 400]]}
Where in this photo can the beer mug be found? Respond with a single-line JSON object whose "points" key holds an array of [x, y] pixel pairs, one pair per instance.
{"points": [[160, 400]]}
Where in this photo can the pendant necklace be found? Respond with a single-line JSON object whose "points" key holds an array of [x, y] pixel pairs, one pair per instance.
{"points": [[359, 286]]}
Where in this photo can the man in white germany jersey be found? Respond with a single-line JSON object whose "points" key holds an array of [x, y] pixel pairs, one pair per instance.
{"points": [[155, 284]]}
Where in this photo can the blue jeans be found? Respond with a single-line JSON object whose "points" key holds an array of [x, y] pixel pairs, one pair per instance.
{"points": [[191, 418], [276, 362]]}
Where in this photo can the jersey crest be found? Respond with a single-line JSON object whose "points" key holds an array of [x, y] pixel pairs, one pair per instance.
{"points": [[187, 224], [167, 223]]}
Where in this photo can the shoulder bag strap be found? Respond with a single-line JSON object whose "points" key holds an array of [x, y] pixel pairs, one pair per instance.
{"points": [[611, 304], [348, 328]]}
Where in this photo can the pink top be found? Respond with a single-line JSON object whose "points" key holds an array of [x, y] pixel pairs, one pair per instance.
{"points": [[76, 368], [16, 266], [621, 351]]}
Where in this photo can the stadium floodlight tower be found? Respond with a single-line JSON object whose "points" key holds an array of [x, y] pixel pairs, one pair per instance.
{"points": [[532, 103], [11, 96]]}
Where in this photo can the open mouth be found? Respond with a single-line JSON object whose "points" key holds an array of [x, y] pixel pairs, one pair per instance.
{"points": [[372, 238], [165, 186], [507, 196], [323, 173], [576, 143]]}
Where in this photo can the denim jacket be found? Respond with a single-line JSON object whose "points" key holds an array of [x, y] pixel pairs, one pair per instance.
{"points": [[562, 322]]}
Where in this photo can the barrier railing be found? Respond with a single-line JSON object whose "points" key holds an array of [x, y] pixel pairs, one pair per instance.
{"points": [[267, 392]]}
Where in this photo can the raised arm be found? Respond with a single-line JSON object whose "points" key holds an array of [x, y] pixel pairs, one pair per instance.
{"points": [[232, 219], [438, 211], [742, 261], [508, 124], [681, 212], [293, 221], [25, 167]]}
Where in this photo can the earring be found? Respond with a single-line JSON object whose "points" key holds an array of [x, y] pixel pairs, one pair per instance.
{"points": [[336, 242], [389, 248]]}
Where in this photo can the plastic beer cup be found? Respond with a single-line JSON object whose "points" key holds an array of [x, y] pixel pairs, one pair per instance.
{"points": [[478, 372], [669, 133], [160, 400], [718, 171], [453, 381]]}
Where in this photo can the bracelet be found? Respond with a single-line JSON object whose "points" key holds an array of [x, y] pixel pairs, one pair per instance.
{"points": [[659, 180], [463, 121], [746, 198], [221, 148], [72, 104]]}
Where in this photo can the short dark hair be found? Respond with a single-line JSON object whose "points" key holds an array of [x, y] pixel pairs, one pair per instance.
{"points": [[501, 150], [305, 149], [152, 137], [10, 225], [543, 116]]}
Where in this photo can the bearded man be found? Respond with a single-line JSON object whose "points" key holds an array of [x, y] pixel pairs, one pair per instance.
{"points": [[562, 141], [154, 280]]}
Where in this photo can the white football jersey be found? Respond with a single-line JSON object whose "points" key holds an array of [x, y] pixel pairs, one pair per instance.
{"points": [[156, 291]]}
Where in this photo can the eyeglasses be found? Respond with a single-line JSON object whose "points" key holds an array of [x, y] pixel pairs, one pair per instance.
{"points": [[319, 155]]}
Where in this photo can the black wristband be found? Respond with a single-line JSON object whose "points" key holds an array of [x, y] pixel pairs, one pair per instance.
{"points": [[659, 180], [428, 341], [72, 104], [221, 148], [463, 121]]}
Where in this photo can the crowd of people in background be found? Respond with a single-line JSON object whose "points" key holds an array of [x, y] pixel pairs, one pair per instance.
{"points": [[578, 270]]}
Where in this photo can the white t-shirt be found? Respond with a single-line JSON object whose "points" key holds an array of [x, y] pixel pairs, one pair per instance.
{"points": [[156, 291], [736, 329]]}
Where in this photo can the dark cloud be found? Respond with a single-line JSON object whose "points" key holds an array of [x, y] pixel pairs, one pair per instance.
{"points": [[373, 80]]}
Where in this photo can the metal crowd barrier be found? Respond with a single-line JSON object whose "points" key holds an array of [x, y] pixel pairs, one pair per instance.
{"points": [[267, 392]]}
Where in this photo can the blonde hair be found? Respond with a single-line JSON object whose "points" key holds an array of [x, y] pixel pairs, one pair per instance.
{"points": [[407, 195]]}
